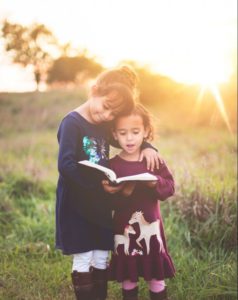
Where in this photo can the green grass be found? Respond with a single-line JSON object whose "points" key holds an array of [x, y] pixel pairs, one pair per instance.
{"points": [[200, 220]]}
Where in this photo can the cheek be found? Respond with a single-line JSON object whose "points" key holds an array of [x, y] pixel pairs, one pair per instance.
{"points": [[121, 140], [111, 118], [141, 138]]}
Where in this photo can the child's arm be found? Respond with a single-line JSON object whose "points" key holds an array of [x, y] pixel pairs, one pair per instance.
{"points": [[164, 186], [152, 157], [69, 140]]}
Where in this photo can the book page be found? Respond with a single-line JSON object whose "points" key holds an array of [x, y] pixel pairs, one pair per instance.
{"points": [[137, 177], [108, 172]]}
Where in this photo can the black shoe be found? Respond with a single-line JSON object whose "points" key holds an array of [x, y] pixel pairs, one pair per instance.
{"points": [[83, 285], [159, 296], [100, 283], [130, 294]]}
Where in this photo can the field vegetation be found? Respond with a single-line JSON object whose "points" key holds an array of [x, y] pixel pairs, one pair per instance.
{"points": [[200, 219]]}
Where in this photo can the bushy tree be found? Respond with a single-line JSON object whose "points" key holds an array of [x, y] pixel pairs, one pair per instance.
{"points": [[29, 46], [73, 69]]}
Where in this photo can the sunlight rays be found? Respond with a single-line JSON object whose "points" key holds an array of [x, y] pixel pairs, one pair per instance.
{"points": [[199, 99], [218, 100], [220, 104]]}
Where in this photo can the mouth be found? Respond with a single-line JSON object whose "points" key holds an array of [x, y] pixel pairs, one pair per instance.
{"points": [[130, 146]]}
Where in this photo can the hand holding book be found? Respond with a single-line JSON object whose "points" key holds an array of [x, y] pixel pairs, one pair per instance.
{"points": [[112, 188], [126, 188]]}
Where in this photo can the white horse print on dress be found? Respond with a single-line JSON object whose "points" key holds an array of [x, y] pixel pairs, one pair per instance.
{"points": [[147, 230], [123, 239]]}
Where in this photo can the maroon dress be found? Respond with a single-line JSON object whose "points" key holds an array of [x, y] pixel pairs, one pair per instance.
{"points": [[139, 243]]}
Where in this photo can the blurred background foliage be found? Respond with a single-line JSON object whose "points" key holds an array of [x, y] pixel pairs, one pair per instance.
{"points": [[192, 136], [61, 66]]}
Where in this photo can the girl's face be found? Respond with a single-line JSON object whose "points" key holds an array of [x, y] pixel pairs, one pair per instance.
{"points": [[102, 109], [130, 132]]}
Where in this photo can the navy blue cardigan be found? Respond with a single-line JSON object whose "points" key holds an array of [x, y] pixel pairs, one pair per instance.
{"points": [[83, 209]]}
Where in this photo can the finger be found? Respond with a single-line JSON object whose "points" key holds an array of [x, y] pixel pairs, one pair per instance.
{"points": [[154, 183], [141, 157], [148, 163], [152, 164], [160, 159], [157, 161]]}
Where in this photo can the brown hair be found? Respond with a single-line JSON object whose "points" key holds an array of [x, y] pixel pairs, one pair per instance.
{"points": [[124, 75], [122, 84], [120, 97], [147, 118]]}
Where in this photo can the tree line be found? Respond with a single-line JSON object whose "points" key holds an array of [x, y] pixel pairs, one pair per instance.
{"points": [[52, 63], [36, 46]]}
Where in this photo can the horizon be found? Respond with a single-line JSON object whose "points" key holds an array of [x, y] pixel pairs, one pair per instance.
{"points": [[196, 52]]}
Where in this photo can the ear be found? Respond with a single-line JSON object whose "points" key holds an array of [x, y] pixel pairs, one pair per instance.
{"points": [[94, 89], [146, 133]]}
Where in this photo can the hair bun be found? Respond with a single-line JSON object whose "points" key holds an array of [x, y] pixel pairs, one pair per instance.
{"points": [[122, 74], [130, 75]]}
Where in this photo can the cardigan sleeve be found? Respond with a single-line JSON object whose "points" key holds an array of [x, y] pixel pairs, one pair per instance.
{"points": [[69, 138]]}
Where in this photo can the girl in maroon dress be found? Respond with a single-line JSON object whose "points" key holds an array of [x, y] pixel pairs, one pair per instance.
{"points": [[139, 243]]}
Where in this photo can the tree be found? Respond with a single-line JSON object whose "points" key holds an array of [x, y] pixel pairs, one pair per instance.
{"points": [[73, 69], [30, 46]]}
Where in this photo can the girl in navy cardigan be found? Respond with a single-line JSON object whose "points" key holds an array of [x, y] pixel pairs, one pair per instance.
{"points": [[83, 209]]}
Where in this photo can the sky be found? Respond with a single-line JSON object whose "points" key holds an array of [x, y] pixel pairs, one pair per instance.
{"points": [[191, 41]]}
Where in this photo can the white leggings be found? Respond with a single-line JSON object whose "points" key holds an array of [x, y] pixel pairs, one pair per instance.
{"points": [[96, 258]]}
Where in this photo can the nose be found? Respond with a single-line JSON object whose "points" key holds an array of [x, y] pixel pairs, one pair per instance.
{"points": [[129, 136]]}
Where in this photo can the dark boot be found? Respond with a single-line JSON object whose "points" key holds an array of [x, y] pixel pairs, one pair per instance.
{"points": [[130, 294], [83, 285], [100, 284], [159, 296]]}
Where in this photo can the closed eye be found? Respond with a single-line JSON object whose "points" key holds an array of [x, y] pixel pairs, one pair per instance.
{"points": [[121, 132], [106, 106]]}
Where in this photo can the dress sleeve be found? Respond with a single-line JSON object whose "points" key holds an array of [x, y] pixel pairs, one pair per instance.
{"points": [[165, 185], [69, 138]]}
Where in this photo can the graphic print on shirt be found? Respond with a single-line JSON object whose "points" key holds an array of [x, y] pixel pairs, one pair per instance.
{"points": [[94, 148], [146, 230]]}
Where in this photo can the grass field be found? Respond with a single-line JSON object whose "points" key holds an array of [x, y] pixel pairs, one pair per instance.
{"points": [[200, 219]]}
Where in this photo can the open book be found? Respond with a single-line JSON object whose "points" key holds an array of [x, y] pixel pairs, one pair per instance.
{"points": [[111, 175]]}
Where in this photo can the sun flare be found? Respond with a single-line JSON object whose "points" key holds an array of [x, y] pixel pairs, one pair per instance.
{"points": [[189, 41], [214, 90]]}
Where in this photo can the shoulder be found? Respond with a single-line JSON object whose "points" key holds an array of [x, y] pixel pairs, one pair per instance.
{"points": [[163, 169], [72, 116], [72, 119], [114, 159], [69, 125]]}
